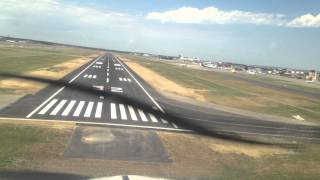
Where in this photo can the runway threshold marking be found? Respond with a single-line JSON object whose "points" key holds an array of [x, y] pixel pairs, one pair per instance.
{"points": [[58, 91], [113, 111], [69, 108], [79, 109]]}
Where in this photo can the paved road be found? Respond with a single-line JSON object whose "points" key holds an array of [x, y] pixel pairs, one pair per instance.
{"points": [[108, 72]]}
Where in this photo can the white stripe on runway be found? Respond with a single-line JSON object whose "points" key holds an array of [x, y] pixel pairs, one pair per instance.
{"points": [[107, 74], [164, 121], [87, 113], [153, 118], [108, 70], [48, 106], [125, 79], [120, 78], [79, 108], [90, 76], [129, 79], [142, 115], [132, 113], [68, 108], [113, 111], [58, 107], [123, 113], [107, 80], [94, 76], [85, 76], [99, 110], [174, 125]]}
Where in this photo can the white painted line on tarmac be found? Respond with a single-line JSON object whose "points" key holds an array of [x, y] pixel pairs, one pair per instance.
{"points": [[125, 79], [120, 79], [107, 80], [74, 78], [123, 113], [106, 124], [68, 108], [164, 121], [48, 106], [79, 109], [142, 115], [58, 91], [87, 113], [90, 76], [58, 107], [113, 111], [99, 110], [145, 91], [85, 76], [132, 113], [174, 125], [94, 76], [129, 79], [153, 118]]}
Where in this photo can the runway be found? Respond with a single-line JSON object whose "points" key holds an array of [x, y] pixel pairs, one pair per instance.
{"points": [[109, 73]]}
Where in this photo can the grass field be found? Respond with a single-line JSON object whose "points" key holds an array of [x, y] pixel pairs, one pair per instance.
{"points": [[30, 58], [40, 147], [19, 143], [20, 60], [228, 90]]}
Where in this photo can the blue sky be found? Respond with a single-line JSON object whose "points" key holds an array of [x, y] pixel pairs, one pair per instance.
{"points": [[266, 32]]}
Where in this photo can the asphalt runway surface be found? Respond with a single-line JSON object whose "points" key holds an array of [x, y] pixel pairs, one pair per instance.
{"points": [[109, 73]]}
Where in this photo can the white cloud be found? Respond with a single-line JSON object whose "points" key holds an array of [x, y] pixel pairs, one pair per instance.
{"points": [[213, 15], [29, 9], [307, 20]]}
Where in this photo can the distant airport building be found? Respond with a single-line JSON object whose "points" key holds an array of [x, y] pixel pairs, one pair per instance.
{"points": [[180, 57], [312, 76]]}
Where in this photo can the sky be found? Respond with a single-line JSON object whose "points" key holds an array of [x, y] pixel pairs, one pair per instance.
{"points": [[283, 33]]}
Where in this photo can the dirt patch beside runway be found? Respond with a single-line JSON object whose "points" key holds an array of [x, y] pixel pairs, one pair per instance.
{"points": [[162, 84], [54, 72]]}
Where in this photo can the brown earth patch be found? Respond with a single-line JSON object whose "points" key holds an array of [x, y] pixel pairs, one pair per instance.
{"points": [[161, 83], [54, 72]]}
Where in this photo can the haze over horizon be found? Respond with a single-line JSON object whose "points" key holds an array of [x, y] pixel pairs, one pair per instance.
{"points": [[250, 32]]}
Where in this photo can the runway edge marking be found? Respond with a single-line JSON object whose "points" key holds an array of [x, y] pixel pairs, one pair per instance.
{"points": [[145, 91]]}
